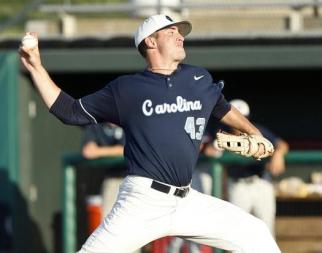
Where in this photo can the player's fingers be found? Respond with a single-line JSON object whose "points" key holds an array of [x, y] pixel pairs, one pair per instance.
{"points": [[25, 58], [23, 51], [33, 39], [34, 34], [24, 61], [30, 54], [260, 152]]}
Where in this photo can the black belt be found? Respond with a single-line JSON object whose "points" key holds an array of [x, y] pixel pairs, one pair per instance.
{"points": [[180, 192]]}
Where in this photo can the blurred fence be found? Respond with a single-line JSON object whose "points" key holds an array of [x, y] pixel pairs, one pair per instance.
{"points": [[114, 17], [227, 15]]}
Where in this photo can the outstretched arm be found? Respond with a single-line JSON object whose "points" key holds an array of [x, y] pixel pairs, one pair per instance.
{"points": [[30, 58], [96, 107], [237, 121]]}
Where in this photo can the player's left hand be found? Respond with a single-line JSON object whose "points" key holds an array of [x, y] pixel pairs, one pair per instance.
{"points": [[261, 152], [246, 145]]}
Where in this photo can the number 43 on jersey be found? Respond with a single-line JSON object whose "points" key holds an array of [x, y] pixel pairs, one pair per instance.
{"points": [[195, 127]]}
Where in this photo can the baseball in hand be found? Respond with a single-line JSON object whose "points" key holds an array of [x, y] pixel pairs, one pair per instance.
{"points": [[29, 41]]}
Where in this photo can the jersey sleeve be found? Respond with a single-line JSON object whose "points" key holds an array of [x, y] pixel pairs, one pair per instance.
{"points": [[91, 109], [221, 108], [101, 106], [68, 110]]}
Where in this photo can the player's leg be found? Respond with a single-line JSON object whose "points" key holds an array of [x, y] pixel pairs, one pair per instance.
{"points": [[140, 215], [264, 205], [214, 222], [110, 187]]}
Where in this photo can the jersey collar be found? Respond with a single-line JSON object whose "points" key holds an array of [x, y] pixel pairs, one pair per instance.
{"points": [[153, 74]]}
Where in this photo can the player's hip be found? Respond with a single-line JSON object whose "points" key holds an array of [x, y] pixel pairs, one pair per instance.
{"points": [[149, 188]]}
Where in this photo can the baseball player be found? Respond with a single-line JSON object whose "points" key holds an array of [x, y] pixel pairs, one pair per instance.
{"points": [[163, 111]]}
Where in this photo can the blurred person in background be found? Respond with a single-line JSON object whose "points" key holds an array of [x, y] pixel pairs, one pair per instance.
{"points": [[106, 140], [250, 186]]}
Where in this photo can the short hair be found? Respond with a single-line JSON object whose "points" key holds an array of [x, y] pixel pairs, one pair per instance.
{"points": [[142, 48]]}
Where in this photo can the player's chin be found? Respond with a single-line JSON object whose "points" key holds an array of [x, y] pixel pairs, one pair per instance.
{"points": [[181, 55]]}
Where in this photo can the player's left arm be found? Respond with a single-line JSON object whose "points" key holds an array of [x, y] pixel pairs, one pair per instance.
{"points": [[234, 119]]}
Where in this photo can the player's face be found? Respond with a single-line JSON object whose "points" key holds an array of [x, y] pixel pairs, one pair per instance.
{"points": [[170, 43]]}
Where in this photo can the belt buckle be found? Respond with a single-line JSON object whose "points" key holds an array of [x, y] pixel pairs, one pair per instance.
{"points": [[249, 180], [181, 192]]}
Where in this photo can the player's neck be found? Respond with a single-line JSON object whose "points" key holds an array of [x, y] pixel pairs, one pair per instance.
{"points": [[162, 65], [163, 69]]}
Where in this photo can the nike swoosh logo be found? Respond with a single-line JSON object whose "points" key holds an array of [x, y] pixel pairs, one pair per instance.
{"points": [[198, 77]]}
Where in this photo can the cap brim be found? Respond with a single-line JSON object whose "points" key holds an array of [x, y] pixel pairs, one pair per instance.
{"points": [[184, 27]]}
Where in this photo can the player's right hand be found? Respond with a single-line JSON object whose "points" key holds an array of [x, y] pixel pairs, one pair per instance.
{"points": [[30, 57]]}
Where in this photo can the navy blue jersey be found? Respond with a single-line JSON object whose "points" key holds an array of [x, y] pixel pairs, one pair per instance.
{"points": [[163, 117]]}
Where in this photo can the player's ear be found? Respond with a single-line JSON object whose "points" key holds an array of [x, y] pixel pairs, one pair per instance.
{"points": [[150, 42]]}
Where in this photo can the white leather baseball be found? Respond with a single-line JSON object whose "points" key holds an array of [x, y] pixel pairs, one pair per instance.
{"points": [[29, 41]]}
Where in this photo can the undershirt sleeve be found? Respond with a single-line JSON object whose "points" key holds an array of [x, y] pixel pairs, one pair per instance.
{"points": [[68, 110], [91, 109], [101, 105]]}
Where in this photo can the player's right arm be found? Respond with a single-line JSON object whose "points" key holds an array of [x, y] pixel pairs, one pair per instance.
{"points": [[30, 58], [237, 121], [97, 107]]}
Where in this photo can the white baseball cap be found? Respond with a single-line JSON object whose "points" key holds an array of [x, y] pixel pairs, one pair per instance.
{"points": [[157, 22], [241, 106]]}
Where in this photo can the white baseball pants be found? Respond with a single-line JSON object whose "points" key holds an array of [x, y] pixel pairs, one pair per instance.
{"points": [[142, 214], [110, 189]]}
